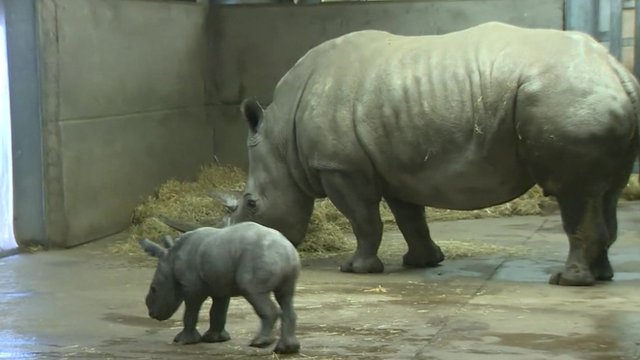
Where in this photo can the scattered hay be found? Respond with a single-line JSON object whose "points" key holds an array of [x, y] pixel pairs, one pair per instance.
{"points": [[632, 191], [454, 249], [328, 227], [191, 202], [186, 201], [327, 230], [151, 228], [30, 248], [378, 289], [533, 202]]}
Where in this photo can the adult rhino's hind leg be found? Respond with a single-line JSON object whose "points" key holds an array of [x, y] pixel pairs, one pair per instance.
{"points": [[584, 222], [422, 251], [601, 267], [360, 204]]}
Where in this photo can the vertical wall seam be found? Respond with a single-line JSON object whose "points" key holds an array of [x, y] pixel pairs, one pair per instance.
{"points": [[206, 72], [55, 212]]}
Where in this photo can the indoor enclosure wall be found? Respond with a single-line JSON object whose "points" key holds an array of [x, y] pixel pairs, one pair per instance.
{"points": [[133, 93]]}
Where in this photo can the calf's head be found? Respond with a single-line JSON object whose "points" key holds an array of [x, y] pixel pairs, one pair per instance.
{"points": [[271, 196], [165, 293]]}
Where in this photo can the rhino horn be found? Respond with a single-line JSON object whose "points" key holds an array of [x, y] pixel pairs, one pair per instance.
{"points": [[229, 199], [152, 248], [179, 225]]}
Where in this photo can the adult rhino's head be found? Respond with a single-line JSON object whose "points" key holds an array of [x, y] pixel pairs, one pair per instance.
{"points": [[165, 293], [271, 196]]}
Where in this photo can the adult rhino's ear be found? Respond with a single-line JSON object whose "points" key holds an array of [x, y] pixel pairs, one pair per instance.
{"points": [[152, 248], [253, 113], [229, 199]]}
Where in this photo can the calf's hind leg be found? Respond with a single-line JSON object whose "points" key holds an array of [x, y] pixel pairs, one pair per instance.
{"points": [[268, 313], [422, 251], [584, 222], [288, 342]]}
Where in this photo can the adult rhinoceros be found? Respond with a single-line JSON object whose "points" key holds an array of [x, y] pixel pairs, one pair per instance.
{"points": [[461, 121]]}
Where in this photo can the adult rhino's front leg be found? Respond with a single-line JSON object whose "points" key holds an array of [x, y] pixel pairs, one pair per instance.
{"points": [[358, 200]]}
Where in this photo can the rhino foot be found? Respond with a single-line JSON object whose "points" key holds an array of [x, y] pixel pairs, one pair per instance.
{"points": [[185, 337], [262, 341], [603, 274], [572, 276], [287, 347], [363, 265], [216, 336], [421, 260], [602, 270]]}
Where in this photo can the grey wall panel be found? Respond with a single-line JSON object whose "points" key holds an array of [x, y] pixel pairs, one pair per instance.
{"points": [[110, 165], [26, 129], [252, 47], [132, 91], [230, 135], [120, 57], [122, 108]]}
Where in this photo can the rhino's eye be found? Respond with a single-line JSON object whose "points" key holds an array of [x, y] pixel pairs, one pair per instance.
{"points": [[251, 204], [153, 290]]}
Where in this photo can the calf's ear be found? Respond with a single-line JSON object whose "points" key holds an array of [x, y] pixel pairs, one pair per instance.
{"points": [[152, 248], [167, 241], [253, 113]]}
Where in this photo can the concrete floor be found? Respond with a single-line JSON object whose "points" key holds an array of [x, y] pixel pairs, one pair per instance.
{"points": [[87, 303]]}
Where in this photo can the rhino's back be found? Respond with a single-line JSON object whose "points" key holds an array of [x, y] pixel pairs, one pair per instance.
{"points": [[244, 240], [246, 253], [434, 115]]}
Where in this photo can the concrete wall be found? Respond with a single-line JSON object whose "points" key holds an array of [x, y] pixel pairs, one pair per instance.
{"points": [[123, 95], [628, 28], [136, 92], [26, 125], [253, 46]]}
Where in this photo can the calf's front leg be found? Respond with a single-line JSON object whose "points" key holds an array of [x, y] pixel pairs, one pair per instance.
{"points": [[189, 334]]}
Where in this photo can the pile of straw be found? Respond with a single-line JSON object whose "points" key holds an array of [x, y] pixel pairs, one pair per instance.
{"points": [[191, 202], [185, 201]]}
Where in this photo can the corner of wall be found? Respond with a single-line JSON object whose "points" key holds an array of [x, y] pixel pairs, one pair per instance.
{"points": [[55, 215]]}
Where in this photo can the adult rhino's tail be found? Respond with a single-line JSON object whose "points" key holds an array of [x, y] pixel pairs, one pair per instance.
{"points": [[632, 88]]}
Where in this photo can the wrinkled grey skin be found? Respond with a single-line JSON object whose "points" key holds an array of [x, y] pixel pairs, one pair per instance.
{"points": [[246, 260], [461, 121]]}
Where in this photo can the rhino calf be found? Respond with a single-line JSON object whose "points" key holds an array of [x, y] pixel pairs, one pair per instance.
{"points": [[245, 259]]}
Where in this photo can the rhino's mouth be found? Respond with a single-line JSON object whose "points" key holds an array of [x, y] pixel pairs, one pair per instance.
{"points": [[157, 316]]}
